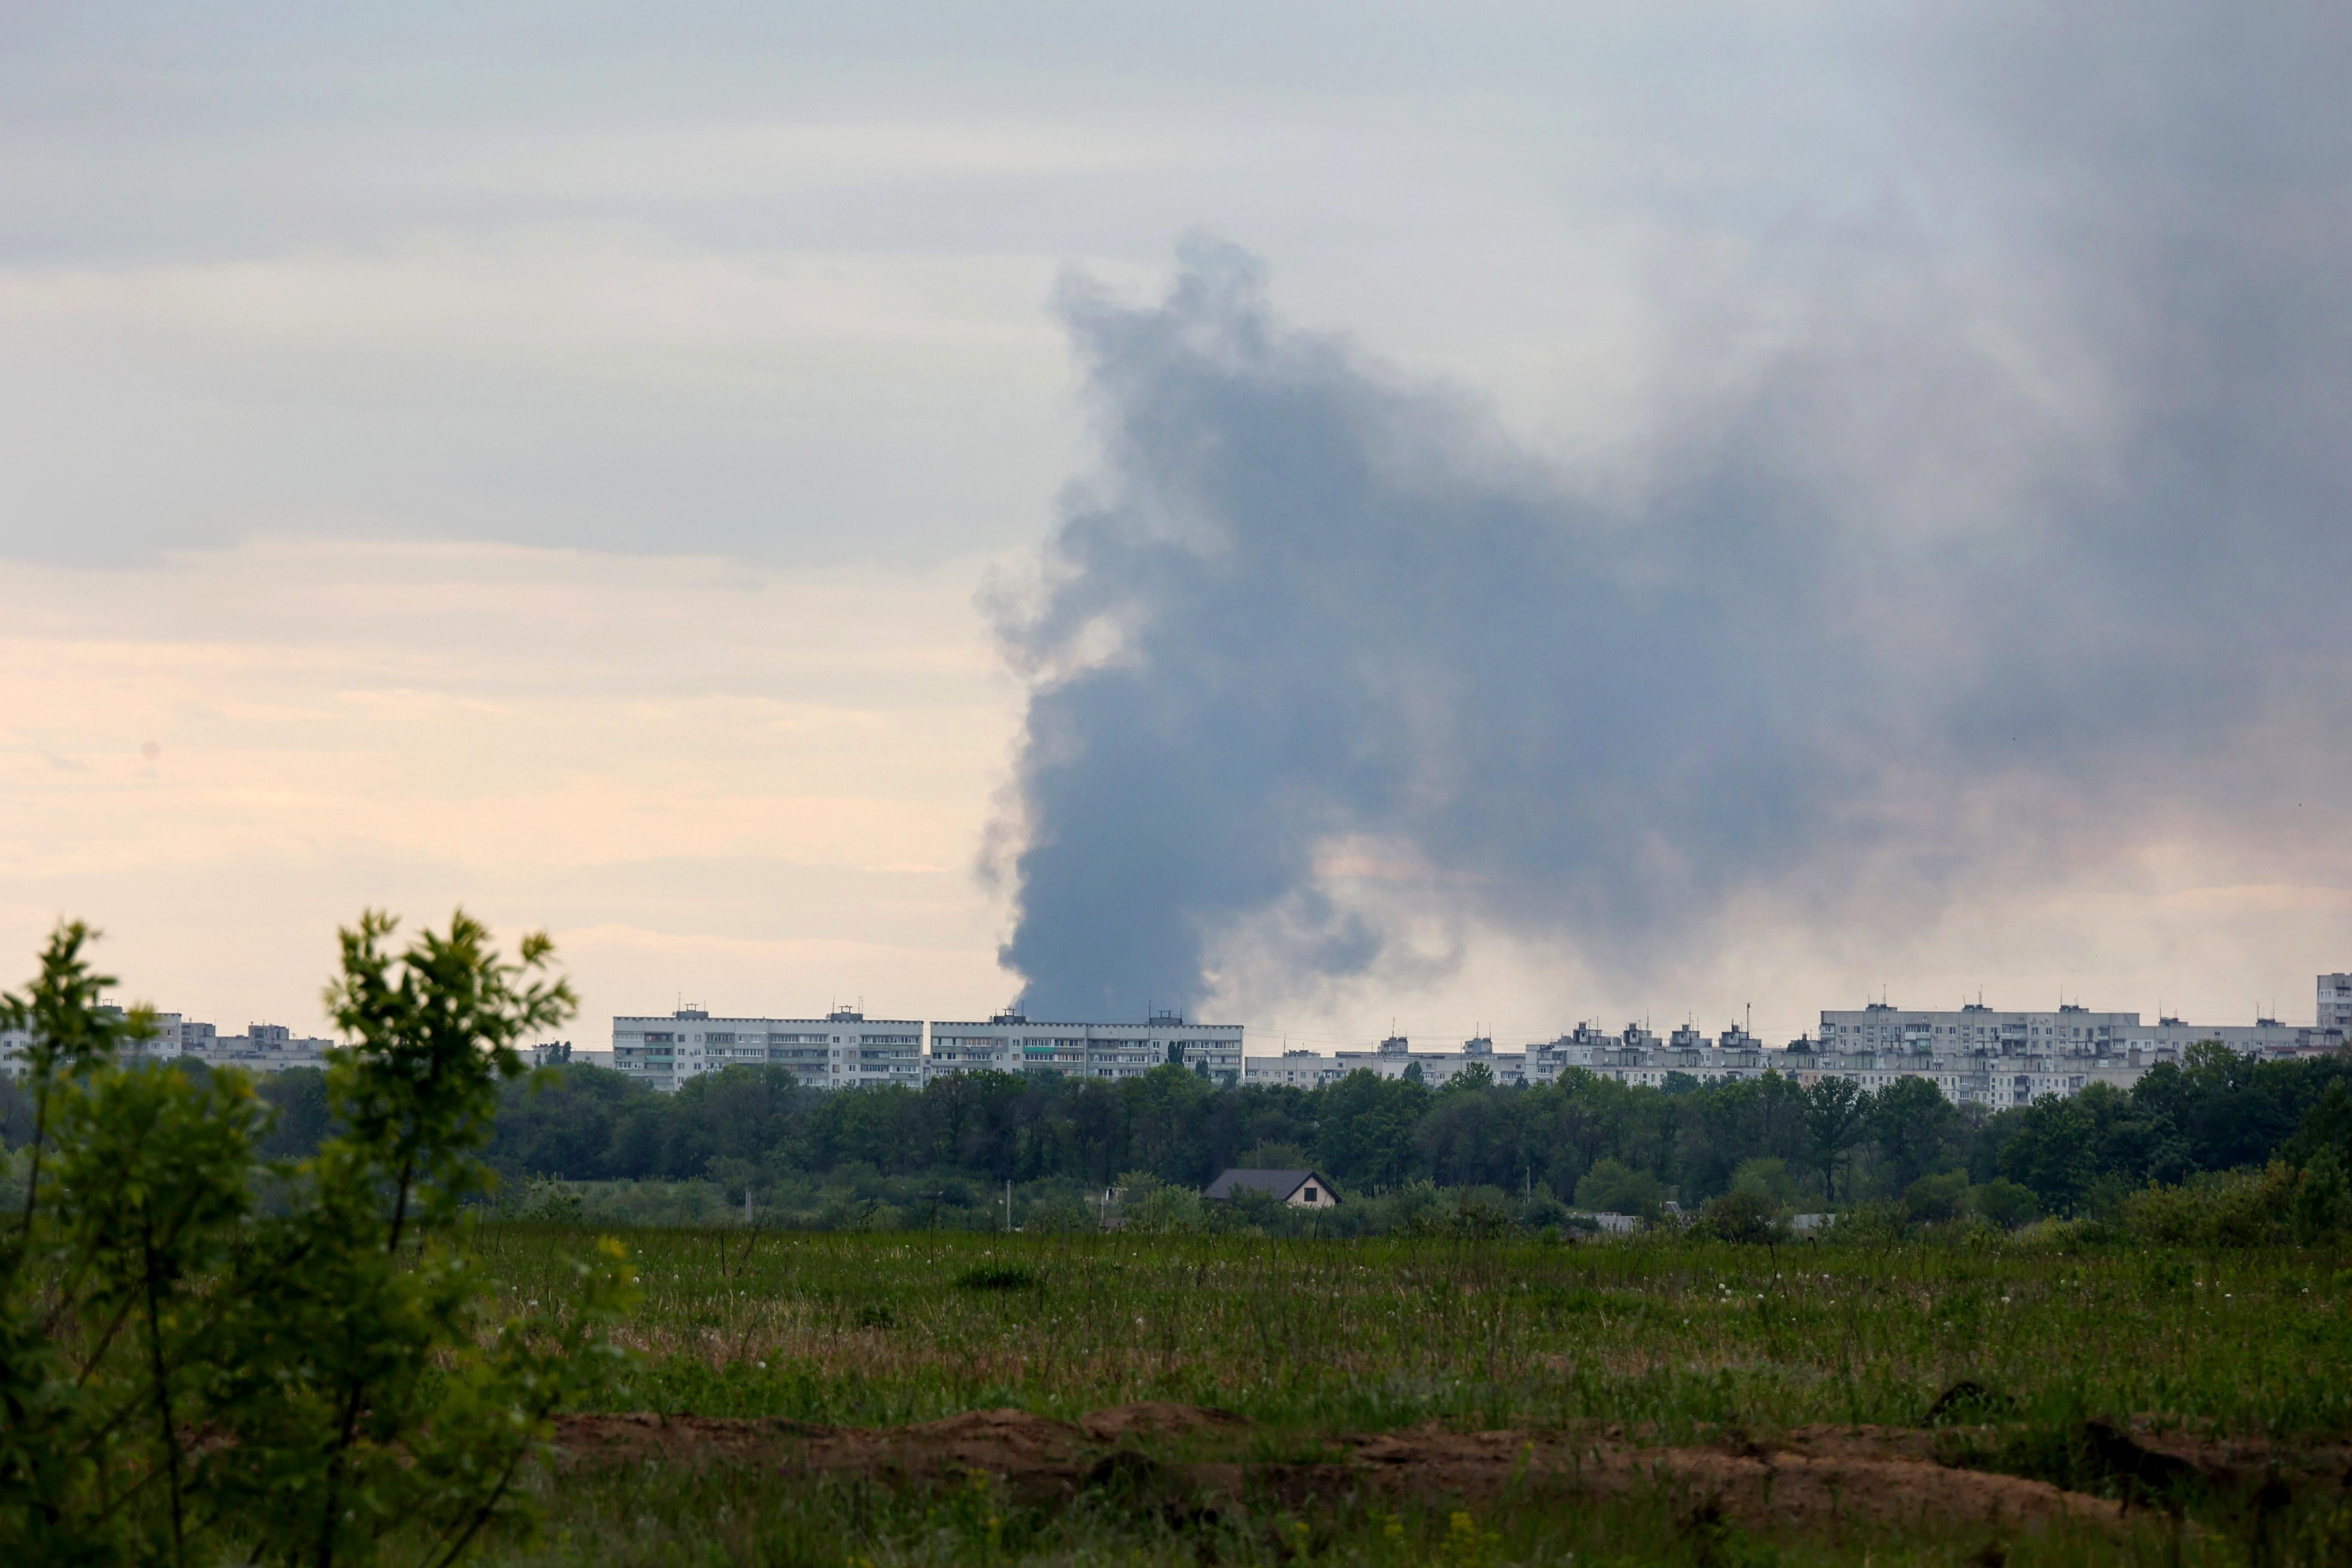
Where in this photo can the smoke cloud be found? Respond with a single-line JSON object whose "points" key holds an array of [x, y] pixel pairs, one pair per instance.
{"points": [[2024, 527]]}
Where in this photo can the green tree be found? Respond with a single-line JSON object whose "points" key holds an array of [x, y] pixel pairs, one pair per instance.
{"points": [[2003, 1202], [337, 1352], [1911, 1123], [1746, 1218], [1836, 1118], [2053, 1150], [1366, 1136], [1612, 1186]]}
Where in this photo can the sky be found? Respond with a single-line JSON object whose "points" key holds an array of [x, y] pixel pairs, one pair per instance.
{"points": [[1454, 518]]}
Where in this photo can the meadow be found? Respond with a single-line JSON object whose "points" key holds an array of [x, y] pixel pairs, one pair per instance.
{"points": [[2015, 1356]]}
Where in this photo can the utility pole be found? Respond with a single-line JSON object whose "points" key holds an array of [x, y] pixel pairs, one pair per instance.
{"points": [[1008, 1206]]}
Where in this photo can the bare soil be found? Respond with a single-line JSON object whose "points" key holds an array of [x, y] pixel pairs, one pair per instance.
{"points": [[1810, 1476]]}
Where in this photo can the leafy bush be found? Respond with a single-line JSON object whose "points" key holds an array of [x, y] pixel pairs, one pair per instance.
{"points": [[996, 1276], [1938, 1199], [1612, 1186], [2004, 1204], [337, 1353], [2238, 1208], [1747, 1217], [1165, 1211]]}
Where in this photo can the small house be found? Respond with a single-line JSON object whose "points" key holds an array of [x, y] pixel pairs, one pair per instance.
{"points": [[1299, 1189]]}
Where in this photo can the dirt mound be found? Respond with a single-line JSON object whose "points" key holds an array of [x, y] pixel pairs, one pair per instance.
{"points": [[1158, 1419], [1853, 1476], [1809, 1477], [687, 1438]]}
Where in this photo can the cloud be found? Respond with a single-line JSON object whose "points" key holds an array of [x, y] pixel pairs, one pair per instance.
{"points": [[2014, 535]]}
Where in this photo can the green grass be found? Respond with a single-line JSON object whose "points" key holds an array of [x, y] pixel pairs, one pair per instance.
{"points": [[1312, 1338], [1319, 1335], [624, 1517]]}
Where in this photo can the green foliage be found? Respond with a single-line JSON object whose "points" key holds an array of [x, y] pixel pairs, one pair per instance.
{"points": [[2004, 1204], [2238, 1208], [1937, 1200], [1911, 1123], [1769, 1177], [1612, 1186], [996, 1276], [1165, 1211], [936, 1157], [1748, 1218], [334, 1353]]}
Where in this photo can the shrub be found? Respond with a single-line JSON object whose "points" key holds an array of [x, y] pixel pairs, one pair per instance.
{"points": [[1166, 1211], [1770, 1177], [1746, 1218], [1612, 1186], [996, 1276], [337, 1352], [2235, 1208], [2004, 1204], [1936, 1200]]}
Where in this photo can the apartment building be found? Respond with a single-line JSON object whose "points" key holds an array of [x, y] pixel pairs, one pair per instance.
{"points": [[1392, 1058], [262, 1049], [1633, 1054], [2336, 1003], [840, 1049], [1637, 1055], [1979, 1055], [1010, 1042]]}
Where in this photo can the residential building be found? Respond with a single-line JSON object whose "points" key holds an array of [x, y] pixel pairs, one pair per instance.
{"points": [[1294, 1069], [1395, 1058], [1298, 1189], [1634, 1055], [262, 1049], [2336, 1003], [1979, 1055], [843, 1049], [1012, 1042]]}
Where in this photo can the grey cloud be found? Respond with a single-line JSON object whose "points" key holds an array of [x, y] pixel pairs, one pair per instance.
{"points": [[2020, 543]]}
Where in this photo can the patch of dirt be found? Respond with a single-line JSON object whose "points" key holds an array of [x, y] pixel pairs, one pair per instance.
{"points": [[2155, 1456], [679, 1437], [1851, 1476], [1809, 1475], [1158, 1419]]}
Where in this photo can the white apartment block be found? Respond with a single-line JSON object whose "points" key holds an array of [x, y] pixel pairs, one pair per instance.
{"points": [[262, 1049], [1392, 1058], [1634, 1055], [1293, 1070], [2336, 1003], [1008, 1042], [1978, 1055], [840, 1049]]}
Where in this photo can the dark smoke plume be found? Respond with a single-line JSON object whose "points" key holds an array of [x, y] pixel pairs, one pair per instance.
{"points": [[1984, 568]]}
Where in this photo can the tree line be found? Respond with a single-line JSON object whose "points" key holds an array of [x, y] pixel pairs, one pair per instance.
{"points": [[1586, 1138], [1593, 1141]]}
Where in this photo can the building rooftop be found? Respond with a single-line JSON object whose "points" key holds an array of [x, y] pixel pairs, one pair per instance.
{"points": [[1281, 1183]]}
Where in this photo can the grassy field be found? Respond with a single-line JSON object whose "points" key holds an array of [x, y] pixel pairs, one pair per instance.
{"points": [[1672, 1341]]}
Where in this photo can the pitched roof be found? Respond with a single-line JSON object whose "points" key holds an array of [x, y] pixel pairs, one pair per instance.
{"points": [[1281, 1183]]}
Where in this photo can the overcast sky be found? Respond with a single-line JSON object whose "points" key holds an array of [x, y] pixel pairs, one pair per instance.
{"points": [[679, 477]]}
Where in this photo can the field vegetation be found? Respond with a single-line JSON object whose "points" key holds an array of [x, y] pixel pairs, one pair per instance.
{"points": [[2183, 1380], [995, 1322]]}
